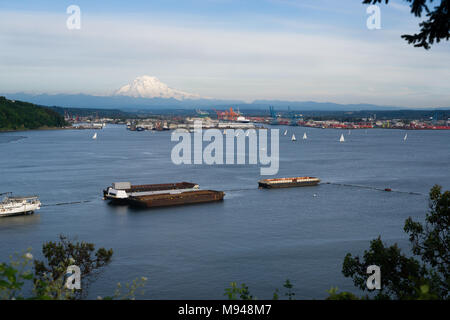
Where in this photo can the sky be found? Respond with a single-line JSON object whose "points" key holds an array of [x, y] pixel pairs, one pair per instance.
{"points": [[299, 50]]}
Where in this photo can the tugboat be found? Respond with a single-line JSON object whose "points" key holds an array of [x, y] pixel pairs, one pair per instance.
{"points": [[13, 206], [119, 192]]}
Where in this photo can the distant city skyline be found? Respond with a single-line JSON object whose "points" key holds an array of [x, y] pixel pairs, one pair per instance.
{"points": [[292, 50]]}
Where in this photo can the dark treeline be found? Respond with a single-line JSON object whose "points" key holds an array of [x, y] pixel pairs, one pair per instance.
{"points": [[18, 115]]}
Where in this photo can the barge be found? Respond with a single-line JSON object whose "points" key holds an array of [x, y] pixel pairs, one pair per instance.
{"points": [[175, 198], [288, 182], [120, 191]]}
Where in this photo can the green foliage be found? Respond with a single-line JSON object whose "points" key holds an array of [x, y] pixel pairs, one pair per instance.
{"points": [[48, 282], [276, 296], [432, 241], [288, 285], [128, 290], [14, 275], [243, 293], [435, 28], [235, 292], [425, 276], [335, 295], [18, 115], [64, 253]]}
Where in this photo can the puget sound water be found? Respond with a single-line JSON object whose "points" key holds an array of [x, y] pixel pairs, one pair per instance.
{"points": [[259, 237]]}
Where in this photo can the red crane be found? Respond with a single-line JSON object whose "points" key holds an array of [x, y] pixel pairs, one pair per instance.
{"points": [[229, 115]]}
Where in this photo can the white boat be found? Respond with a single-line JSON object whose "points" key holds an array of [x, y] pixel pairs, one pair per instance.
{"points": [[12, 206], [293, 138], [242, 119], [247, 133], [285, 132], [342, 138], [406, 137], [94, 136], [305, 136]]}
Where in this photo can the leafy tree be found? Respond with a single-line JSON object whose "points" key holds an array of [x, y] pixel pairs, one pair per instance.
{"points": [[423, 276], [62, 254], [15, 274], [236, 292], [432, 241], [18, 115], [288, 285], [243, 292], [434, 29], [335, 295]]}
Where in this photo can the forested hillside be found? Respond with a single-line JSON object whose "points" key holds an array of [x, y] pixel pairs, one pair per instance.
{"points": [[18, 115]]}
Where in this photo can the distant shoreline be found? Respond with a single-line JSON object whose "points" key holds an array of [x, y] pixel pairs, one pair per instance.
{"points": [[37, 129]]}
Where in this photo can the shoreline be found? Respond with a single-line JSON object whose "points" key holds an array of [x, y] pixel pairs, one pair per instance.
{"points": [[37, 129]]}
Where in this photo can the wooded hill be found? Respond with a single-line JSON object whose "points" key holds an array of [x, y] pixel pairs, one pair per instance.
{"points": [[19, 115]]}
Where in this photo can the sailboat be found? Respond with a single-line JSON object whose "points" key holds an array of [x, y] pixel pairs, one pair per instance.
{"points": [[285, 132], [293, 138], [247, 134], [406, 137], [342, 138], [305, 136], [94, 136]]}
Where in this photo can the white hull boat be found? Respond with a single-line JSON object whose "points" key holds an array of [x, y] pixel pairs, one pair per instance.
{"points": [[13, 206]]}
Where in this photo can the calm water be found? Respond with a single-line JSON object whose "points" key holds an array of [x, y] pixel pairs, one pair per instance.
{"points": [[260, 237]]}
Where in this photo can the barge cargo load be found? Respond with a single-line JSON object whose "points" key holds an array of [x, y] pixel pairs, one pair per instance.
{"points": [[123, 190], [288, 182], [175, 197]]}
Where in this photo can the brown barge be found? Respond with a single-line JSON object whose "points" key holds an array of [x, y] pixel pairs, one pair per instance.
{"points": [[174, 198], [288, 182]]}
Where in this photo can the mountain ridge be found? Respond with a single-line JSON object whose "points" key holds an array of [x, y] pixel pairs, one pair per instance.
{"points": [[127, 103]]}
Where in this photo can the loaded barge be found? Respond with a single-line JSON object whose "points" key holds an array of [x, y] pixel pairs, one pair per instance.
{"points": [[159, 195], [175, 198], [288, 182]]}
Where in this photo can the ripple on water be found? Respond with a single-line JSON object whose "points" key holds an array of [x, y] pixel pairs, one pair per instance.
{"points": [[7, 139]]}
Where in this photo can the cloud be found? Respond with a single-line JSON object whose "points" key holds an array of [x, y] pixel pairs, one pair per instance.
{"points": [[304, 62]]}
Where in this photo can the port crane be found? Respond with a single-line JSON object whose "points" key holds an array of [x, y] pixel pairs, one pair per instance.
{"points": [[229, 114]]}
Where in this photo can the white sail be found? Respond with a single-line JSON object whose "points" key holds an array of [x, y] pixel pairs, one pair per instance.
{"points": [[94, 136], [293, 138], [285, 132], [247, 134], [342, 138], [406, 137]]}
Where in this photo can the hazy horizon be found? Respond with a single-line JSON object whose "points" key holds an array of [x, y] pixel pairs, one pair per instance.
{"points": [[224, 49]]}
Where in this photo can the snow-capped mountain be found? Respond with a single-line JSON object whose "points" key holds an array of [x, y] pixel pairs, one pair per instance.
{"points": [[151, 87]]}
